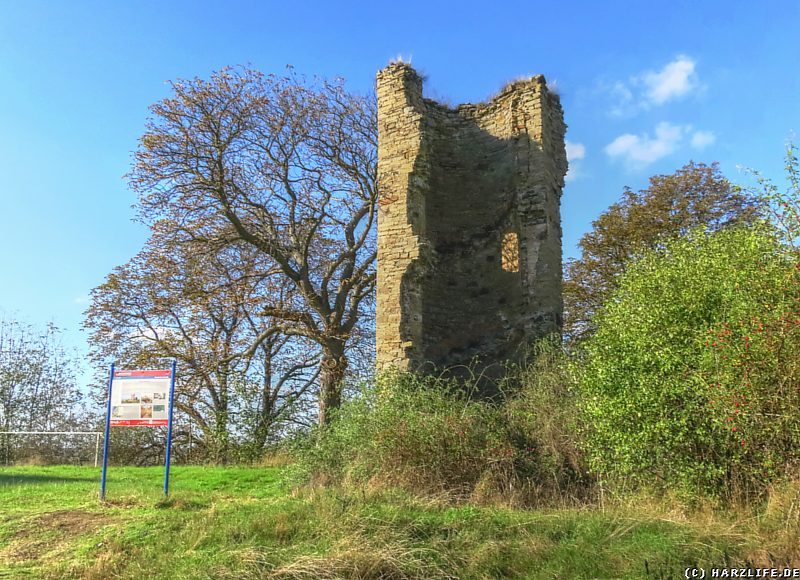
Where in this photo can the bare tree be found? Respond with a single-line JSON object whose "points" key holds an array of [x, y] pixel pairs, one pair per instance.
{"points": [[204, 306], [287, 167], [38, 391]]}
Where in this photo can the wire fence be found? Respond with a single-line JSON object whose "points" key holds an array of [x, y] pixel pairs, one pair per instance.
{"points": [[62, 449]]}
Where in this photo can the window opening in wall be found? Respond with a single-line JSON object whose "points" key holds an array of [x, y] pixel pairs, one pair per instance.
{"points": [[510, 252]]}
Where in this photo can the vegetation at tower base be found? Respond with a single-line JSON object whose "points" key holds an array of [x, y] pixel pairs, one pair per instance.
{"points": [[692, 379], [285, 167], [428, 436], [695, 196]]}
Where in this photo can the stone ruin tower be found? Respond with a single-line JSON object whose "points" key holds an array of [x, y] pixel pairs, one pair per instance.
{"points": [[469, 227]]}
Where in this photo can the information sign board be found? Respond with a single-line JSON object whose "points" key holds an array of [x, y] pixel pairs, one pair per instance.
{"points": [[140, 398]]}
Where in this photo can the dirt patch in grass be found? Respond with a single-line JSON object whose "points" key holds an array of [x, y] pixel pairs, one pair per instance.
{"points": [[47, 532]]}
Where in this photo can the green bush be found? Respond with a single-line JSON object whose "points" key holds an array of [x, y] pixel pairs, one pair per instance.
{"points": [[422, 434], [427, 436], [543, 419], [691, 380]]}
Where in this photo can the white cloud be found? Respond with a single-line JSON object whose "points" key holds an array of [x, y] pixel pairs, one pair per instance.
{"points": [[622, 98], [675, 80], [575, 152], [702, 139], [638, 151]]}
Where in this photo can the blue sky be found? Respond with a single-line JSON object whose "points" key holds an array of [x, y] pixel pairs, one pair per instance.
{"points": [[646, 87]]}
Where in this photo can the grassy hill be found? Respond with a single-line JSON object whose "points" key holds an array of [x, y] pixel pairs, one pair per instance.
{"points": [[243, 523]]}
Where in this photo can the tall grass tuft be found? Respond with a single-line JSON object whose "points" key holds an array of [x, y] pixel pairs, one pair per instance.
{"points": [[427, 436], [544, 421]]}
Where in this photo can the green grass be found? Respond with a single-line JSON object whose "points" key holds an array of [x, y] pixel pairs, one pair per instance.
{"points": [[242, 523]]}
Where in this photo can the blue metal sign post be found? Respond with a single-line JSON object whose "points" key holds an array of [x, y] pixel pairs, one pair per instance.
{"points": [[105, 438], [169, 428], [139, 401]]}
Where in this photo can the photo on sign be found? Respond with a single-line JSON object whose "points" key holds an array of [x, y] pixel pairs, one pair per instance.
{"points": [[159, 411], [125, 411], [147, 411], [147, 399], [159, 396], [130, 398]]}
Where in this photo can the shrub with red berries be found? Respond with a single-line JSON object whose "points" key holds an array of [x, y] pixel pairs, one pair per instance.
{"points": [[693, 377]]}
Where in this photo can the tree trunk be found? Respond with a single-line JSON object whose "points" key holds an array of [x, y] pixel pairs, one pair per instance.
{"points": [[331, 377], [266, 413], [221, 422]]}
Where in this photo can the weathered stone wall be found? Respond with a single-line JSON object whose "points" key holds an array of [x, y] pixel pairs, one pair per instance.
{"points": [[469, 229]]}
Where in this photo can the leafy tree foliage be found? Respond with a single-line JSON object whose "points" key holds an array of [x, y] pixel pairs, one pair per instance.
{"points": [[782, 207], [286, 168], [692, 377], [696, 195]]}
